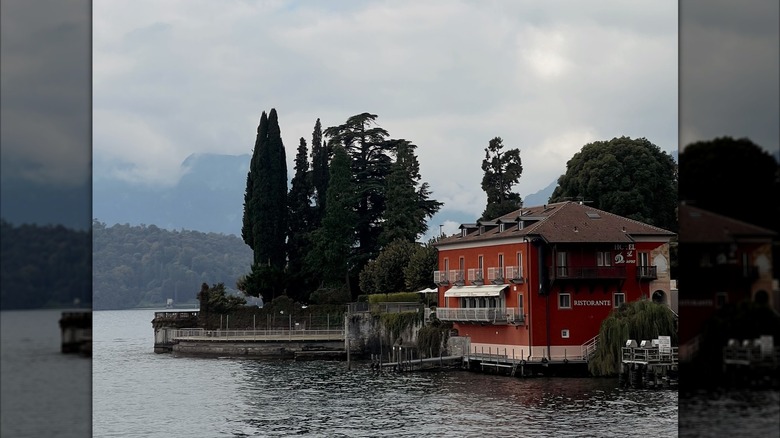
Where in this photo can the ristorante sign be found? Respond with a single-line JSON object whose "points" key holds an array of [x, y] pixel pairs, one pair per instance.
{"points": [[592, 302]]}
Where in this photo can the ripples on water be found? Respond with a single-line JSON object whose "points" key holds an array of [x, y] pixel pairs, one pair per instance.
{"points": [[139, 393], [44, 392]]}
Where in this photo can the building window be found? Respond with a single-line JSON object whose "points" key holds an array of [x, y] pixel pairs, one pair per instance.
{"points": [[500, 260], [563, 264], [520, 303], [564, 301], [446, 264], [520, 264], [480, 264], [618, 298], [565, 333], [721, 298], [462, 263], [603, 258]]}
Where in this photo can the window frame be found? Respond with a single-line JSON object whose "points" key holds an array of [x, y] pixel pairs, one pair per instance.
{"points": [[561, 296]]}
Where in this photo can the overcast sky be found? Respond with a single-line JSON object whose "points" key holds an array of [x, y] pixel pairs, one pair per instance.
{"points": [[180, 77]]}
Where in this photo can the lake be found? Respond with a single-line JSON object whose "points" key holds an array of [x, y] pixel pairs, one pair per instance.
{"points": [[137, 393]]}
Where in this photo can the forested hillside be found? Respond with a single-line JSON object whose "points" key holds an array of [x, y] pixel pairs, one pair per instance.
{"points": [[145, 265], [43, 266]]}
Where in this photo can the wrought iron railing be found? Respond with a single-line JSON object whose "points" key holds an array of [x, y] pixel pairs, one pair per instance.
{"points": [[505, 315]]}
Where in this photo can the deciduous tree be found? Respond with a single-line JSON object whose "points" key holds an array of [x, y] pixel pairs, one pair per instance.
{"points": [[629, 177]]}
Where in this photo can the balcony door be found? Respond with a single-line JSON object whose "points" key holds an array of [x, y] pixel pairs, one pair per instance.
{"points": [[562, 264]]}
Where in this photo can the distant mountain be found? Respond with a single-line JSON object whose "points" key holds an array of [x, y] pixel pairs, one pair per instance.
{"points": [[542, 196], [209, 197], [23, 202]]}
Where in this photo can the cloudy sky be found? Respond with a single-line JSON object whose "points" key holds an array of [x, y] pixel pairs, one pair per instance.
{"points": [[180, 77]]}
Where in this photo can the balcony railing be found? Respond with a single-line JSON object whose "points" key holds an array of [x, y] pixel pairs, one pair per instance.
{"points": [[496, 275], [646, 272], [496, 315], [514, 274], [476, 276], [441, 277], [588, 272]]}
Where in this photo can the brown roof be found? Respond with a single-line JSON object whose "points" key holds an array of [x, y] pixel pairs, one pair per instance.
{"points": [[702, 226], [564, 222]]}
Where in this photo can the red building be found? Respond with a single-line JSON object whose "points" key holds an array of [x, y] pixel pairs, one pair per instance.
{"points": [[722, 261], [535, 284]]}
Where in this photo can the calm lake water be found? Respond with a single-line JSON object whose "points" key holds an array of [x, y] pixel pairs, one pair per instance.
{"points": [[44, 393], [137, 393]]}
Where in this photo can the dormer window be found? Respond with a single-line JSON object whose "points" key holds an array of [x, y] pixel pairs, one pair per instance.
{"points": [[501, 227], [521, 224], [463, 232]]}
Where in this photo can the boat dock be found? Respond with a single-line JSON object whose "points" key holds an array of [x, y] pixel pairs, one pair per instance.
{"points": [[652, 364]]}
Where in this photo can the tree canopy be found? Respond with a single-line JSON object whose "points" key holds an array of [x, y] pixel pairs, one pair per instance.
{"points": [[733, 177], [629, 177], [502, 171]]}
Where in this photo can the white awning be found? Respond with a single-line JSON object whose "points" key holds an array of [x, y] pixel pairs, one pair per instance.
{"points": [[430, 290], [476, 291]]}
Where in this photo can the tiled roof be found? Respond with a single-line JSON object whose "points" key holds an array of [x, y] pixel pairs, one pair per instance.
{"points": [[564, 222], [702, 226]]}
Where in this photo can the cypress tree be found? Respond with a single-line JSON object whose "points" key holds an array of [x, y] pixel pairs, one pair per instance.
{"points": [[299, 223], [265, 208], [320, 157]]}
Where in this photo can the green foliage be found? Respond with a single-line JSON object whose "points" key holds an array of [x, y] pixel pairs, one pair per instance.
{"points": [[331, 295], [320, 161], [408, 206], [332, 243], [215, 299], [300, 223], [628, 177], [397, 323], [398, 297], [418, 273], [639, 320], [44, 266], [732, 177], [502, 171], [385, 274], [265, 201], [431, 337], [145, 265]]}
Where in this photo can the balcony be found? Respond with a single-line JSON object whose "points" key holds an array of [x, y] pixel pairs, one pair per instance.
{"points": [[514, 274], [476, 276], [493, 315], [496, 275], [588, 272], [446, 277], [646, 273]]}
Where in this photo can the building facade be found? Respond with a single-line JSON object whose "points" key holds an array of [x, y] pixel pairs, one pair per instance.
{"points": [[536, 284]]}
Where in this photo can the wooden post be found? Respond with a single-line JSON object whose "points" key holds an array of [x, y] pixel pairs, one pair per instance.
{"points": [[349, 357]]}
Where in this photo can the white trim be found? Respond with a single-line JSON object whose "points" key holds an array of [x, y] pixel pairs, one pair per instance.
{"points": [[476, 291], [482, 243]]}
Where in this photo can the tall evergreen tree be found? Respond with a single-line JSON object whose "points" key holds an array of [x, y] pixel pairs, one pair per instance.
{"points": [[299, 223], [502, 171], [408, 206], [265, 208], [365, 142], [320, 158], [332, 243]]}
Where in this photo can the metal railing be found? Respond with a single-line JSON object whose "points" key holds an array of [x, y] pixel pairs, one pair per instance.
{"points": [[589, 348], [646, 272], [388, 307], [496, 275], [650, 355], [176, 315], [258, 335], [476, 276], [588, 272], [512, 315]]}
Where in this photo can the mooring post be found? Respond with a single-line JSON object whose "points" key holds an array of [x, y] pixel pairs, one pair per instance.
{"points": [[349, 357]]}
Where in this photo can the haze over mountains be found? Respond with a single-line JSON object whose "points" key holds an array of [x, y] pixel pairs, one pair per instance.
{"points": [[210, 198]]}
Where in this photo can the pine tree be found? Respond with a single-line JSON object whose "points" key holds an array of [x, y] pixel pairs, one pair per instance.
{"points": [[408, 207], [502, 171], [365, 142], [332, 243]]}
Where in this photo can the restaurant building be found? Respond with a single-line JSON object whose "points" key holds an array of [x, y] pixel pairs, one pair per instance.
{"points": [[536, 284]]}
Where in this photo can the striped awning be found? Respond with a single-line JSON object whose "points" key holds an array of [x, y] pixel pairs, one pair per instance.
{"points": [[488, 290]]}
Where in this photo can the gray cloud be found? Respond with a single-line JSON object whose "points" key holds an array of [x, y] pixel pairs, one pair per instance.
{"points": [[45, 93], [175, 78]]}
